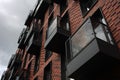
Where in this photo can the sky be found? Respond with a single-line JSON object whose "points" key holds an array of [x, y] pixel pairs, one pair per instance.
{"points": [[13, 14]]}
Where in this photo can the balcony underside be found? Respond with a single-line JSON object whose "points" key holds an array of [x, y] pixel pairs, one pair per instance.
{"points": [[29, 20], [15, 63], [39, 14], [56, 41], [95, 61]]}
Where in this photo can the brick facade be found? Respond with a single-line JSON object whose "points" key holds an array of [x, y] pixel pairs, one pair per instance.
{"points": [[111, 13]]}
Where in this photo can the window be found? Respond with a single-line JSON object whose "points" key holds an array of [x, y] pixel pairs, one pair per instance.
{"points": [[86, 5], [48, 72]]}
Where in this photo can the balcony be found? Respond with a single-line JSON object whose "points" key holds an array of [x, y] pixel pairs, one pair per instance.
{"points": [[10, 61], [90, 52], [5, 75], [34, 43], [56, 36], [29, 19], [33, 29], [41, 9], [15, 61], [18, 59], [22, 38]]}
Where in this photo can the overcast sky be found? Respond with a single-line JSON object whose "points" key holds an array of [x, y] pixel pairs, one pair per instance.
{"points": [[13, 14]]}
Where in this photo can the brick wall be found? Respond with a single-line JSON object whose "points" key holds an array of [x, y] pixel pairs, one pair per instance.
{"points": [[110, 9], [111, 13]]}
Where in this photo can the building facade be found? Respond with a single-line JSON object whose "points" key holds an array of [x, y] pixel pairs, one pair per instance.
{"points": [[69, 40]]}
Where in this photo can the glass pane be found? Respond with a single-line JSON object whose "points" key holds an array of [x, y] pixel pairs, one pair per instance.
{"points": [[108, 35], [100, 33], [82, 37], [68, 50], [52, 27]]}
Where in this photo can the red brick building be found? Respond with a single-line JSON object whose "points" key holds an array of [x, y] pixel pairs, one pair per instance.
{"points": [[69, 39]]}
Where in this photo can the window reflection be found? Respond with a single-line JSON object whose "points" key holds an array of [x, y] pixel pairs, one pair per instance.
{"points": [[82, 37], [52, 27], [100, 32]]}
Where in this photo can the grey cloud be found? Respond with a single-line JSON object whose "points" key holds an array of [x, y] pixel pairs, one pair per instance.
{"points": [[13, 14]]}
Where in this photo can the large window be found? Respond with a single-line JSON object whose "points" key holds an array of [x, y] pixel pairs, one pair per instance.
{"points": [[86, 5]]}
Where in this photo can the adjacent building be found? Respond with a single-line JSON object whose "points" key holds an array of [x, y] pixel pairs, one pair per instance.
{"points": [[69, 40]]}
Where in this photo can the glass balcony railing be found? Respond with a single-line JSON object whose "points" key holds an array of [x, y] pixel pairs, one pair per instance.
{"points": [[34, 29], [57, 33], [81, 38], [52, 27], [85, 35], [90, 49], [34, 43]]}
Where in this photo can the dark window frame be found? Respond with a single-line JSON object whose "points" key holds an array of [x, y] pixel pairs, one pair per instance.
{"points": [[84, 10]]}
